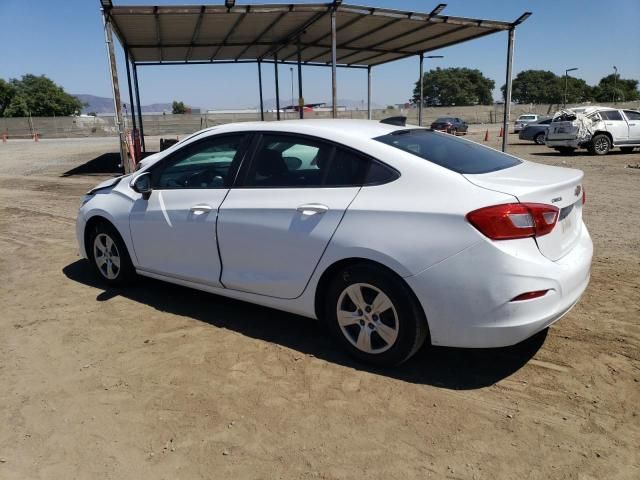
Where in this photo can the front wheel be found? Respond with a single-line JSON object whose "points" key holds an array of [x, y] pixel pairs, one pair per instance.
{"points": [[372, 313], [109, 256]]}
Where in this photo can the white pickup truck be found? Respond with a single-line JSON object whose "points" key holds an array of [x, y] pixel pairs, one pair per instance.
{"points": [[598, 129]]}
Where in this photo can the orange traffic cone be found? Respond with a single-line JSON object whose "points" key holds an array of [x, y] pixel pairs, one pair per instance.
{"points": [[486, 135], [501, 132]]}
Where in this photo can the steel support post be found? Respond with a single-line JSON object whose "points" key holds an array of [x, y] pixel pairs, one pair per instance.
{"points": [[275, 66], [421, 104], [131, 101], [115, 87], [300, 98], [369, 92], [260, 88], [507, 97], [135, 85], [334, 90]]}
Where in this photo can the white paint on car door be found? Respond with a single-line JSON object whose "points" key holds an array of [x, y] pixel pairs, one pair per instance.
{"points": [[633, 120], [616, 125]]}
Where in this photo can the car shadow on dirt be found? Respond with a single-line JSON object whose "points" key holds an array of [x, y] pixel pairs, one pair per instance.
{"points": [[102, 164], [450, 368]]}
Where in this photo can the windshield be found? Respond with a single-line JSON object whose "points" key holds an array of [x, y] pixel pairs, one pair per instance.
{"points": [[527, 117], [452, 153], [444, 120]]}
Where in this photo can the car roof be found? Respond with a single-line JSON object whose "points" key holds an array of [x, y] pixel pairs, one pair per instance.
{"points": [[328, 128], [590, 109]]}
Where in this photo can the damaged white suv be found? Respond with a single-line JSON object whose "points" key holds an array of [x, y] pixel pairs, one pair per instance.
{"points": [[598, 129]]}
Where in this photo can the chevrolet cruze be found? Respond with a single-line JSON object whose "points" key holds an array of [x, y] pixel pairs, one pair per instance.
{"points": [[392, 235]]}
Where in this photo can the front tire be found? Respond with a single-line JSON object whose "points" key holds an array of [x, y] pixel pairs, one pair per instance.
{"points": [[374, 315], [108, 255]]}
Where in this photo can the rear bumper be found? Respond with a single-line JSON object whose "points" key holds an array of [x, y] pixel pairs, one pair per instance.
{"points": [[466, 298]]}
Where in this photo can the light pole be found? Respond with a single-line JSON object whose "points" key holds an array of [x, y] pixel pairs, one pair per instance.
{"points": [[566, 78], [421, 101], [615, 77], [291, 70]]}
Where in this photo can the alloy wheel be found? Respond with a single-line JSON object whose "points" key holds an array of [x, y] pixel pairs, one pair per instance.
{"points": [[367, 318], [601, 145], [106, 256]]}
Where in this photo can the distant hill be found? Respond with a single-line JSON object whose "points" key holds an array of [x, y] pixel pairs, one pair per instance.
{"points": [[105, 104]]}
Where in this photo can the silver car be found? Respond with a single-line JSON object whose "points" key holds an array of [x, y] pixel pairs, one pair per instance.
{"points": [[524, 119]]}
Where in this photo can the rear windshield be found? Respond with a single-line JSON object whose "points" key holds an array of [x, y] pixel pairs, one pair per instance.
{"points": [[444, 120], [527, 117], [450, 152]]}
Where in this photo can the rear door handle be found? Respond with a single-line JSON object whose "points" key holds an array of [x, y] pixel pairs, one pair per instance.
{"points": [[312, 208], [199, 209]]}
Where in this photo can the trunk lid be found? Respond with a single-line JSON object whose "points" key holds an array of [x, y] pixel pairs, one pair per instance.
{"points": [[537, 183]]}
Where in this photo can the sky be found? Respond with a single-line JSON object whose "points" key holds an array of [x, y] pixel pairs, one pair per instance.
{"points": [[64, 40]]}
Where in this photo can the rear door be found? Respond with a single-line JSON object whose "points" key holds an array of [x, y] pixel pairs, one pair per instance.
{"points": [[616, 125], [278, 219], [633, 120]]}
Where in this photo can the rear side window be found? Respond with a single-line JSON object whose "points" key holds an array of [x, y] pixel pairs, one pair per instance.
{"points": [[611, 115], [450, 152]]}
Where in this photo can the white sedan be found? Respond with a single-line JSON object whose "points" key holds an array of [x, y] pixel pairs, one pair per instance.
{"points": [[390, 234]]}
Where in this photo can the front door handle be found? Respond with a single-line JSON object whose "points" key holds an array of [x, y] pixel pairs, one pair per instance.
{"points": [[312, 208], [199, 209]]}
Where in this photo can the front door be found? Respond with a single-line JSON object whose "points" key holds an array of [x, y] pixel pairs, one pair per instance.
{"points": [[633, 119], [278, 219], [174, 230]]}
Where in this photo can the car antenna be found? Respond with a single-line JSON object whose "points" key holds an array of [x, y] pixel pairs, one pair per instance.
{"points": [[399, 121]]}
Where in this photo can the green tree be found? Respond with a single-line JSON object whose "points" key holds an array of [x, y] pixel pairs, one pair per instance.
{"points": [[178, 108], [7, 92], [536, 86], [613, 88], [40, 97], [454, 86]]}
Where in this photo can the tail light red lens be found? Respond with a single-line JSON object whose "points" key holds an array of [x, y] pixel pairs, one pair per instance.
{"points": [[584, 196], [514, 220]]}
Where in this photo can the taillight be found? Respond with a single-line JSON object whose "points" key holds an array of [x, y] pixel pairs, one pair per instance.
{"points": [[584, 196], [530, 295], [514, 220]]}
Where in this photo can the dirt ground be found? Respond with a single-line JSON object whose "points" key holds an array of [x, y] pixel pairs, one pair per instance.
{"points": [[158, 381]]}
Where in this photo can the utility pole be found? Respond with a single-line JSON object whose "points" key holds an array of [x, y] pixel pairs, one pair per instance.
{"points": [[566, 78]]}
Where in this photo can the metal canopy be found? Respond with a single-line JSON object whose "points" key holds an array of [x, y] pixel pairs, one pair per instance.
{"points": [[214, 33]]}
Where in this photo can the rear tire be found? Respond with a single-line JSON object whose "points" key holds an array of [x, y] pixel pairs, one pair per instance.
{"points": [[374, 316], [627, 149], [539, 138], [600, 144], [108, 255]]}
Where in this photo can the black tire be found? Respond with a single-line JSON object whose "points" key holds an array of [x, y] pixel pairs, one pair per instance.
{"points": [[600, 144], [405, 316], [627, 149], [539, 138], [565, 150], [454, 131], [108, 255]]}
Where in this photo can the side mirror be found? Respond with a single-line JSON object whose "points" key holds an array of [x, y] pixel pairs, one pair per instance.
{"points": [[142, 184]]}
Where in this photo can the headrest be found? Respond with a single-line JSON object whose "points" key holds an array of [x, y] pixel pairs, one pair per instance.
{"points": [[270, 162]]}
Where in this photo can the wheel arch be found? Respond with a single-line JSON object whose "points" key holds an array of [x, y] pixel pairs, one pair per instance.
{"points": [[92, 223], [332, 270]]}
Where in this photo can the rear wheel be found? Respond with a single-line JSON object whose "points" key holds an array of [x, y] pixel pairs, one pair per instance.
{"points": [[627, 149], [539, 138], [108, 255], [600, 144], [374, 316]]}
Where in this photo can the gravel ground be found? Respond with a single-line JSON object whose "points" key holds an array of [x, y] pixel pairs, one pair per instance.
{"points": [[158, 381]]}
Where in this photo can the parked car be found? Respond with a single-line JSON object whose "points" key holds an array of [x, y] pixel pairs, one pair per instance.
{"points": [[392, 235], [598, 129], [525, 119], [535, 131], [451, 125]]}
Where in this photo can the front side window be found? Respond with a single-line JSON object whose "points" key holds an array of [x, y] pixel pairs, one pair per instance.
{"points": [[205, 164], [448, 151], [632, 115]]}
